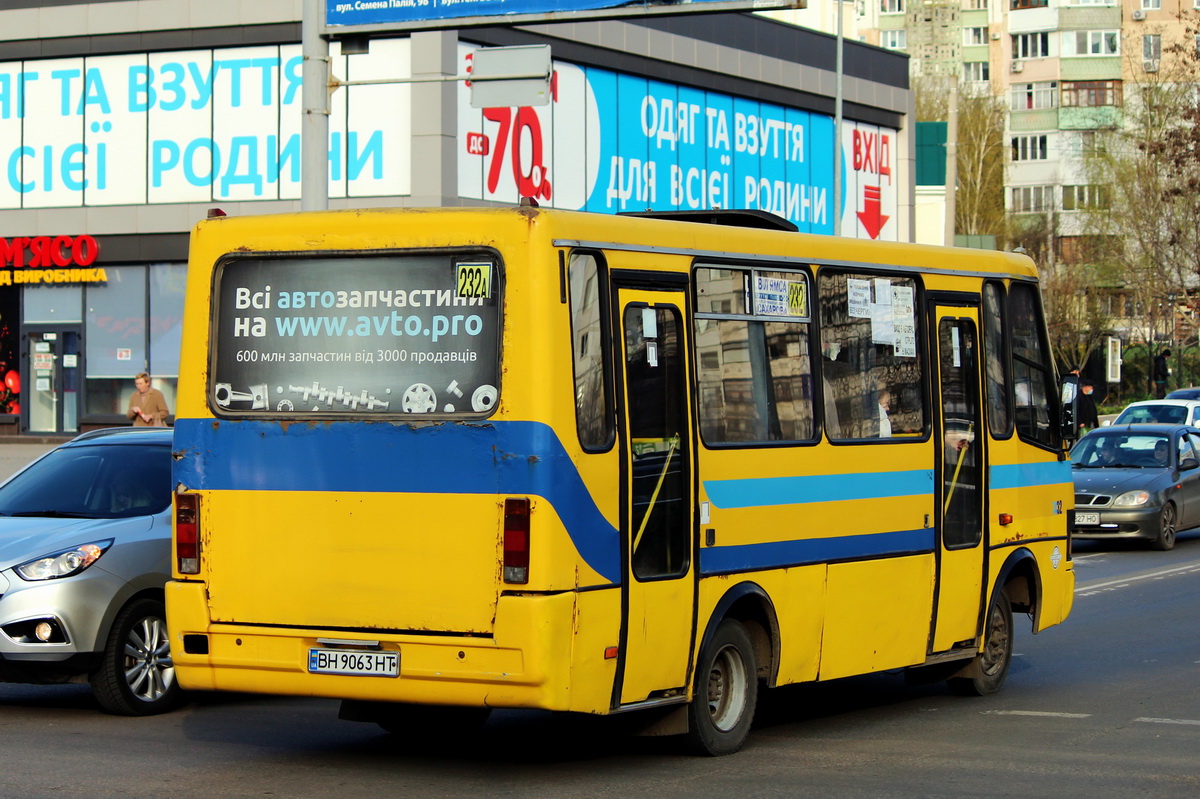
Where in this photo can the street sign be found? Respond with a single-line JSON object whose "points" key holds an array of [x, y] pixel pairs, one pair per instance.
{"points": [[510, 76], [1112, 360], [354, 16]]}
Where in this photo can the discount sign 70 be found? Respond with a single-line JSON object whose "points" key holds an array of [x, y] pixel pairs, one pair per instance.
{"points": [[519, 143]]}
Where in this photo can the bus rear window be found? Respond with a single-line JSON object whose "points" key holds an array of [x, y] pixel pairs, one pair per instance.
{"points": [[361, 335]]}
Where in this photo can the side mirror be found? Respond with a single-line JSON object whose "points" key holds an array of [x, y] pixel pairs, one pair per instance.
{"points": [[1187, 464], [1070, 402]]}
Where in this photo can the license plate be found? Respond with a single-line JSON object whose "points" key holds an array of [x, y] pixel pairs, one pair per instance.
{"points": [[1087, 518], [363, 664]]}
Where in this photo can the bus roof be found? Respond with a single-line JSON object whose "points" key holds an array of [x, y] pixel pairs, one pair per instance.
{"points": [[387, 228]]}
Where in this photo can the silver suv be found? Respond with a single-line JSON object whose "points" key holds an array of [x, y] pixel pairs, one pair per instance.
{"points": [[85, 547]]}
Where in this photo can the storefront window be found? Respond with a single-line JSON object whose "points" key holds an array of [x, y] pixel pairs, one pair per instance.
{"points": [[115, 336], [167, 282], [50, 304], [124, 337]]}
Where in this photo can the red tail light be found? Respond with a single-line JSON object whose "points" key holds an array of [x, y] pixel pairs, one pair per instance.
{"points": [[516, 541], [187, 533]]}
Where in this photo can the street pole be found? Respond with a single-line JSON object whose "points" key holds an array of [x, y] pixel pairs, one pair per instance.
{"points": [[314, 132], [952, 162], [837, 129]]}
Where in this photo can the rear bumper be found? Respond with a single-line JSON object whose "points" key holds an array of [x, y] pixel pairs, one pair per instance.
{"points": [[1140, 523], [527, 663]]}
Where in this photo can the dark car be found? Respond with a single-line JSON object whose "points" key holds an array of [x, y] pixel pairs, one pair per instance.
{"points": [[1137, 481], [1185, 393], [85, 550]]}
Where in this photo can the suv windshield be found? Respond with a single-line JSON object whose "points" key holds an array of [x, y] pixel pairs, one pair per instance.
{"points": [[93, 482]]}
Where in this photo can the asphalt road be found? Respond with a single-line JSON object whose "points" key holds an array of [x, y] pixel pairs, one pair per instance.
{"points": [[1105, 705]]}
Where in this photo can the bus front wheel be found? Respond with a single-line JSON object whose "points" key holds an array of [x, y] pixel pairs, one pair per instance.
{"points": [[725, 693], [986, 674]]}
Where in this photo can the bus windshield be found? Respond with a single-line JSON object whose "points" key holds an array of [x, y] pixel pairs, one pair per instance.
{"points": [[372, 334]]}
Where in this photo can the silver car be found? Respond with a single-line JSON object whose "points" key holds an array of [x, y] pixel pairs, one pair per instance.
{"points": [[85, 546], [1137, 481]]}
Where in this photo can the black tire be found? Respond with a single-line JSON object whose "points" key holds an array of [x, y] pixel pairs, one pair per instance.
{"points": [[725, 693], [430, 723], [1168, 522], [991, 664], [137, 675]]}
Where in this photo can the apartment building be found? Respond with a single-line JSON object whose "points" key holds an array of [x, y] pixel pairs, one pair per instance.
{"points": [[122, 122], [1067, 69]]}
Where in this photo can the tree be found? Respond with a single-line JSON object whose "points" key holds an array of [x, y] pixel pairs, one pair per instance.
{"points": [[979, 207], [979, 199], [1141, 207]]}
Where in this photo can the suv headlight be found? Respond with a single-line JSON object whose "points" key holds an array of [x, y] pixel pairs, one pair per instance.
{"points": [[64, 563], [1131, 499]]}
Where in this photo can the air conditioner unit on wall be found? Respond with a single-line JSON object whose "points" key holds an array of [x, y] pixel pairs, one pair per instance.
{"points": [[1016, 66], [1150, 66], [1138, 15]]}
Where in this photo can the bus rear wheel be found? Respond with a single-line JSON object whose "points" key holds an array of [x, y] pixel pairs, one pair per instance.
{"points": [[987, 672], [725, 694]]}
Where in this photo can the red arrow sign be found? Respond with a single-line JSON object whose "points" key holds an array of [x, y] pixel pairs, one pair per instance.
{"points": [[870, 217]]}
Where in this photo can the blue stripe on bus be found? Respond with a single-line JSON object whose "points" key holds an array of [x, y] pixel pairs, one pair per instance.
{"points": [[1025, 475], [759, 492], [781, 554], [513, 458]]}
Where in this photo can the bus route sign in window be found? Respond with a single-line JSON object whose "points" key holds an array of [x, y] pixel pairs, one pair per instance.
{"points": [[363, 335]]}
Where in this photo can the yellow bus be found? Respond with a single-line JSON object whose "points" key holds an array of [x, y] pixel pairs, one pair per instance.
{"points": [[436, 461]]}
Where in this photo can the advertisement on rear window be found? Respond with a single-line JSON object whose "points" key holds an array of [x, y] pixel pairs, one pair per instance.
{"points": [[395, 335]]}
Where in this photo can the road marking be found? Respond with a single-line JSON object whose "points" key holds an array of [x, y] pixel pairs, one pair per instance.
{"points": [[1037, 713], [1192, 722], [1126, 580]]}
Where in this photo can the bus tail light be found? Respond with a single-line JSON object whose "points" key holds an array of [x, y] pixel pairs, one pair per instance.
{"points": [[516, 541], [187, 533]]}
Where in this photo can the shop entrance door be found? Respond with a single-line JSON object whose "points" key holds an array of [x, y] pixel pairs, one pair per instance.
{"points": [[50, 380]]}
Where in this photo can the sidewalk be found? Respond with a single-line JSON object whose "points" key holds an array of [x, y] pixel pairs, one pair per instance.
{"points": [[19, 451]]}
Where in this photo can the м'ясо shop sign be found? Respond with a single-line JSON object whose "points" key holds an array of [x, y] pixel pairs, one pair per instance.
{"points": [[49, 259]]}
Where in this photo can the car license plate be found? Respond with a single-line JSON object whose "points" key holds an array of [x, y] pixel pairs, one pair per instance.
{"points": [[363, 664], [1087, 518]]}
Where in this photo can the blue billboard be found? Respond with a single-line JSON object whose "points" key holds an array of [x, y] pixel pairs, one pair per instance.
{"points": [[611, 142], [408, 13]]}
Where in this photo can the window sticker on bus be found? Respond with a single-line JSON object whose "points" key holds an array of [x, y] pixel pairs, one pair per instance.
{"points": [[778, 296], [882, 327], [904, 323], [356, 335], [474, 279], [858, 298]]}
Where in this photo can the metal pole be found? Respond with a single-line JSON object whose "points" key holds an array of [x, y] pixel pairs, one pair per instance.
{"points": [[314, 132], [837, 129], [951, 162]]}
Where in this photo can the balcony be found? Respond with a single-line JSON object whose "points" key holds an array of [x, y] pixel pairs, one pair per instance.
{"points": [[1089, 118]]}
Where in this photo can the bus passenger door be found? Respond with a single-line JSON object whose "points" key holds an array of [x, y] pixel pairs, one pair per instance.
{"points": [[656, 497], [961, 472]]}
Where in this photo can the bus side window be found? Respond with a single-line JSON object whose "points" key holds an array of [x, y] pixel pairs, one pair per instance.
{"points": [[1033, 384], [593, 420], [995, 362], [870, 363], [752, 361]]}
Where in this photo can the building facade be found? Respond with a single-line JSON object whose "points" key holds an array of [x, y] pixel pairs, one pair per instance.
{"points": [[123, 122], [1066, 70]]}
